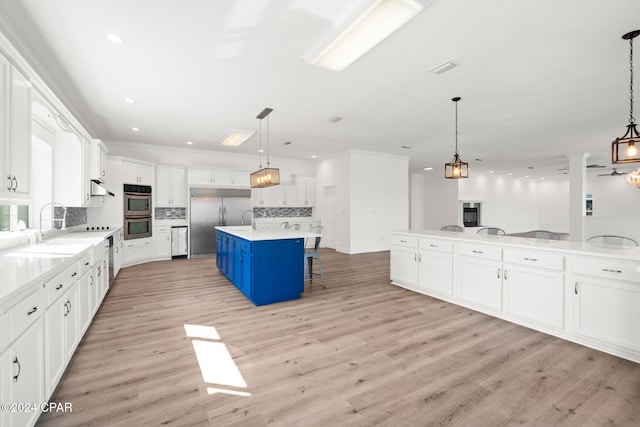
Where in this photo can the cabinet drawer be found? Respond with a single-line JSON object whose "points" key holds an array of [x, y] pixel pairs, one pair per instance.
{"points": [[610, 269], [479, 251], [245, 245], [26, 312], [534, 259], [85, 263], [436, 245], [409, 241], [63, 281]]}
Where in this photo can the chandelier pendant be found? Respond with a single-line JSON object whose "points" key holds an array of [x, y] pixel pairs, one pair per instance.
{"points": [[456, 168], [626, 149]]}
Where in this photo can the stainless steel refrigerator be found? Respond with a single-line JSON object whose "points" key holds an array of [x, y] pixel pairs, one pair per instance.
{"points": [[210, 208]]}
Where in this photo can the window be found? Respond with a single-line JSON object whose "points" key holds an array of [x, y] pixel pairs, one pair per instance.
{"points": [[14, 217]]}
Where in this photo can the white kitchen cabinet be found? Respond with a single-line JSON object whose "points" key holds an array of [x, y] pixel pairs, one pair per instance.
{"points": [[170, 187], [117, 258], [102, 279], [98, 160], [86, 297], [61, 336], [163, 242], [71, 186], [120, 251], [137, 173], [5, 381], [218, 177], [137, 251], [479, 274], [261, 197], [404, 265], [26, 385], [15, 131], [534, 286], [306, 191], [435, 266], [283, 195], [606, 301]]}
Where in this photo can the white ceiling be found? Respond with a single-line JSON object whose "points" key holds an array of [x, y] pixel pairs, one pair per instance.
{"points": [[538, 79]]}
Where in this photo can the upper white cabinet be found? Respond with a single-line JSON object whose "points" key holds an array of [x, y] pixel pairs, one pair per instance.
{"points": [[70, 183], [306, 187], [170, 187], [98, 161], [218, 177], [15, 130], [136, 173], [283, 195]]}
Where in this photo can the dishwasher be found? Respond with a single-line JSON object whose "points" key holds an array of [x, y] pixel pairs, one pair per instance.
{"points": [[179, 242]]}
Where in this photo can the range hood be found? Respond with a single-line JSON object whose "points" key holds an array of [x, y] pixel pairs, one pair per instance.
{"points": [[98, 189]]}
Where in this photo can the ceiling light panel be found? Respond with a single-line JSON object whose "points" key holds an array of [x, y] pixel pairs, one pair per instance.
{"points": [[444, 67], [371, 24], [114, 38], [238, 137]]}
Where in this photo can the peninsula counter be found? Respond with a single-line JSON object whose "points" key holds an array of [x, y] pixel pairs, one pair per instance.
{"points": [[573, 290]]}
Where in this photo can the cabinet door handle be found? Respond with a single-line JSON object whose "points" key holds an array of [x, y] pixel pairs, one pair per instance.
{"points": [[15, 187], [59, 287], [415, 257], [419, 257], [99, 270], [91, 281], [403, 241], [477, 252], [505, 275], [33, 310], [66, 309], [433, 246], [10, 183], [75, 273], [16, 362], [531, 259], [69, 302], [498, 272], [575, 288], [610, 270], [86, 263]]}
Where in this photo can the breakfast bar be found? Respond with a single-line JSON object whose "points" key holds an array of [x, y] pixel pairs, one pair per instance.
{"points": [[267, 266]]}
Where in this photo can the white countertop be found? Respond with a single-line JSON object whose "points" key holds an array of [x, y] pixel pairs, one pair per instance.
{"points": [[248, 233], [581, 248], [25, 265]]}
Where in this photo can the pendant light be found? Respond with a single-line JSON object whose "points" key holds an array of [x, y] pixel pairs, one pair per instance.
{"points": [[634, 178], [456, 169], [265, 177], [627, 148]]}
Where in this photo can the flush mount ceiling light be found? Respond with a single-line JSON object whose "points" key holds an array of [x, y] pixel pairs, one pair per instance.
{"points": [[456, 169], [238, 137], [114, 38], [443, 68], [265, 177], [372, 22], [624, 149]]}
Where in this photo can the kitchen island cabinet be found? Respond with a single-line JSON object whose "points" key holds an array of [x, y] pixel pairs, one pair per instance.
{"points": [[572, 290], [266, 266]]}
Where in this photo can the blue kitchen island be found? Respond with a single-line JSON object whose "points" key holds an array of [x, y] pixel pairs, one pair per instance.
{"points": [[267, 266]]}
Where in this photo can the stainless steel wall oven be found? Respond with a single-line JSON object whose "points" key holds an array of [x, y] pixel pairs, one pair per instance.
{"points": [[137, 211]]}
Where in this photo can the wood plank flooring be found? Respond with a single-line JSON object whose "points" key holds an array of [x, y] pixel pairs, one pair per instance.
{"points": [[361, 352]]}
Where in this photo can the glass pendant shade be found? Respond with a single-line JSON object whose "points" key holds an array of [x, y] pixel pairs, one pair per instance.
{"points": [[265, 177], [626, 148], [634, 178], [456, 169]]}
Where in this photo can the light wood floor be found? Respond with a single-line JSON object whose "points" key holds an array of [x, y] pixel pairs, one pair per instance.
{"points": [[362, 352]]}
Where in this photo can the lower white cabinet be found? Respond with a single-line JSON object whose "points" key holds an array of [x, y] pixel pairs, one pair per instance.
{"points": [[26, 385], [479, 274], [163, 242], [137, 251], [61, 336], [5, 381], [404, 265], [606, 301], [86, 292]]}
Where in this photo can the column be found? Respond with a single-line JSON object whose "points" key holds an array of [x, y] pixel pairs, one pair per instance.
{"points": [[577, 195]]}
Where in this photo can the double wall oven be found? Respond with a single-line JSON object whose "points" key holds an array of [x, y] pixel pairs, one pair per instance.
{"points": [[137, 211]]}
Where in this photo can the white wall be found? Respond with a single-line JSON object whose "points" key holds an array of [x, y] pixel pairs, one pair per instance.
{"points": [[510, 203], [372, 192], [416, 204], [553, 204], [440, 200]]}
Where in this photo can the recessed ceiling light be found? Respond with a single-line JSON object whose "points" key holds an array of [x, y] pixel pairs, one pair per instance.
{"points": [[189, 142], [313, 156], [261, 151], [406, 147], [129, 100], [490, 171], [527, 176], [428, 169], [509, 174], [478, 160], [444, 67], [135, 129], [238, 137], [114, 38], [287, 142], [542, 177], [335, 119]]}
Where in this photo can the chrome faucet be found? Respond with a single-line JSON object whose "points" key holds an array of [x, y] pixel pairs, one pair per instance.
{"points": [[63, 220], [248, 211]]}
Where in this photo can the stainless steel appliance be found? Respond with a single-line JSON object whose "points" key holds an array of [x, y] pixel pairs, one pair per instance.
{"points": [[137, 211], [179, 242], [137, 200], [210, 208]]}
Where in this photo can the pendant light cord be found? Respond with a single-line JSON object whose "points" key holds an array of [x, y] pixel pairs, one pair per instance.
{"points": [[456, 127], [632, 120], [268, 162], [260, 149]]}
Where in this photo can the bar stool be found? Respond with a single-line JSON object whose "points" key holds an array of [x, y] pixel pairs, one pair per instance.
{"points": [[311, 253], [295, 227], [285, 225], [452, 228]]}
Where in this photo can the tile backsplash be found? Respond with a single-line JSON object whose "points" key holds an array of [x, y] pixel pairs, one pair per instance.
{"points": [[281, 212], [171, 213], [75, 216]]}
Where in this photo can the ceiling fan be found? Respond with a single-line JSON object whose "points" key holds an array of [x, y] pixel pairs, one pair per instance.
{"points": [[614, 172]]}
